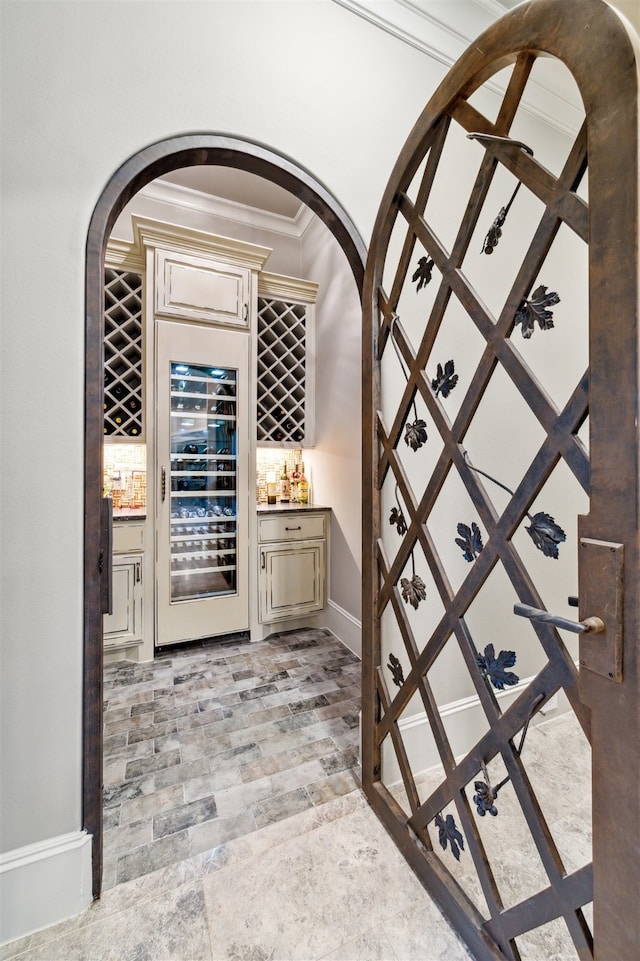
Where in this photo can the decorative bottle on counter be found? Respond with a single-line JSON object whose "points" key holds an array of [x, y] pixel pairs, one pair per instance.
{"points": [[295, 477], [285, 485], [303, 487]]}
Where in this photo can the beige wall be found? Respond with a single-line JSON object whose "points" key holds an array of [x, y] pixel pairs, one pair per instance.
{"points": [[85, 86]]}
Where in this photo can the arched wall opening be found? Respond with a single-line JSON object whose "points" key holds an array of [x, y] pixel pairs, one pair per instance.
{"points": [[147, 165]]}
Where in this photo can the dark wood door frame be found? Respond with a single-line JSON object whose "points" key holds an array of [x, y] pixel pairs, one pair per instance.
{"points": [[148, 164], [594, 44]]}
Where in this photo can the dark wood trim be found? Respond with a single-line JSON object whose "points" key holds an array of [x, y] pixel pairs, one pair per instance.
{"points": [[152, 162]]}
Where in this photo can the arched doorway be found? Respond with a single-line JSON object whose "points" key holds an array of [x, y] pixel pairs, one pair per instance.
{"points": [[147, 165]]}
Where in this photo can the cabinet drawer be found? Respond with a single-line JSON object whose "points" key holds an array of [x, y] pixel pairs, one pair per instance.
{"points": [[291, 527], [128, 537]]}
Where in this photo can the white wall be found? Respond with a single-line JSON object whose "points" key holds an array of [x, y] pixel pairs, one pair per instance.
{"points": [[84, 86], [336, 461]]}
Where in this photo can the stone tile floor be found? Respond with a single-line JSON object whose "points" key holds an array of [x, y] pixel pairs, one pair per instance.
{"points": [[327, 884], [212, 742], [236, 830]]}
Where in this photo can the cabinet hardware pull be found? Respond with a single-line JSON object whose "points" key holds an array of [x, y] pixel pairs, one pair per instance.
{"points": [[163, 482], [246, 312], [138, 572], [590, 625], [298, 528], [262, 563]]}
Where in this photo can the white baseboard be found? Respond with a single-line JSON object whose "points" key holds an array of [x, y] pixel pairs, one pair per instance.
{"points": [[44, 883], [345, 627], [462, 719]]}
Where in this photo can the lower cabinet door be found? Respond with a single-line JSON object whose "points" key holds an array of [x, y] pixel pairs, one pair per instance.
{"points": [[124, 624], [292, 580]]}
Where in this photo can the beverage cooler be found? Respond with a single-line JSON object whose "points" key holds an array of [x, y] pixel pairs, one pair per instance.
{"points": [[202, 455]]}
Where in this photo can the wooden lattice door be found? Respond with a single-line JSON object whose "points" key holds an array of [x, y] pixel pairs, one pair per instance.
{"points": [[501, 324]]}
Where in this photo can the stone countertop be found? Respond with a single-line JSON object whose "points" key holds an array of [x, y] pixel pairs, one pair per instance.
{"points": [[129, 514], [288, 508]]}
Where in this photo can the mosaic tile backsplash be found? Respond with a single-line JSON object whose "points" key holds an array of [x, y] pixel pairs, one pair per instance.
{"points": [[270, 461], [125, 474]]}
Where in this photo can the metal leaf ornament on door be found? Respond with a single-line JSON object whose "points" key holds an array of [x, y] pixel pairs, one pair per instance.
{"points": [[537, 311], [416, 434], [469, 541], [413, 590], [395, 667], [448, 834], [396, 517], [445, 379], [545, 533], [495, 668], [422, 275]]}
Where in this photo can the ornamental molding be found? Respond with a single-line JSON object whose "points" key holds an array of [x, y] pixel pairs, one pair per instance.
{"points": [[287, 288], [155, 234], [188, 198]]}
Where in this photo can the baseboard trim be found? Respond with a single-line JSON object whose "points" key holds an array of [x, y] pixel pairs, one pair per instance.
{"points": [[345, 626], [44, 883], [462, 718]]}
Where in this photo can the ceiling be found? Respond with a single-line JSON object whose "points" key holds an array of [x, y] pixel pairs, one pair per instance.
{"points": [[238, 187], [443, 28]]}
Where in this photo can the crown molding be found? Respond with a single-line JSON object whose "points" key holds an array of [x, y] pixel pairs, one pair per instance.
{"points": [[123, 255], [156, 233], [287, 288], [186, 197], [445, 39]]}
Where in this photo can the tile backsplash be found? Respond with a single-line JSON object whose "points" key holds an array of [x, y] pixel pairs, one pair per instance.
{"points": [[269, 460], [125, 474]]}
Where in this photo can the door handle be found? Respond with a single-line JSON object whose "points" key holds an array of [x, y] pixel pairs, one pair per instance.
{"points": [[590, 625], [262, 560], [163, 482]]}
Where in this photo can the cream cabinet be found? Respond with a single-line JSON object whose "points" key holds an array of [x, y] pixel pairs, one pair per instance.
{"points": [[201, 289], [124, 626], [292, 550]]}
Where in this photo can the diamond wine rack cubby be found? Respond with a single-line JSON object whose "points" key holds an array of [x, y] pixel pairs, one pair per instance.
{"points": [[122, 353], [284, 376]]}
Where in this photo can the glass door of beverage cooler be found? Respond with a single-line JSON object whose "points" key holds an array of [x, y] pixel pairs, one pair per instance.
{"points": [[202, 515]]}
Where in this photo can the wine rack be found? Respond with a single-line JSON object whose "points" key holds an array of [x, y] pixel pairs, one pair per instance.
{"points": [[282, 371], [123, 409]]}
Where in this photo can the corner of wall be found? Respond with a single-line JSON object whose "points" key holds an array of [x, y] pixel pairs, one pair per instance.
{"points": [[345, 627], [44, 883]]}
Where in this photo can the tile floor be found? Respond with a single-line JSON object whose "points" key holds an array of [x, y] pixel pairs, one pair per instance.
{"points": [[210, 743], [270, 852]]}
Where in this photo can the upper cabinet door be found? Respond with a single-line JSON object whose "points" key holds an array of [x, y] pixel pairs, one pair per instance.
{"points": [[197, 288]]}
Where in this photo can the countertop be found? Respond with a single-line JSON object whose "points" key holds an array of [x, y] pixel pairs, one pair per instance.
{"points": [[129, 514], [288, 508], [139, 514]]}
